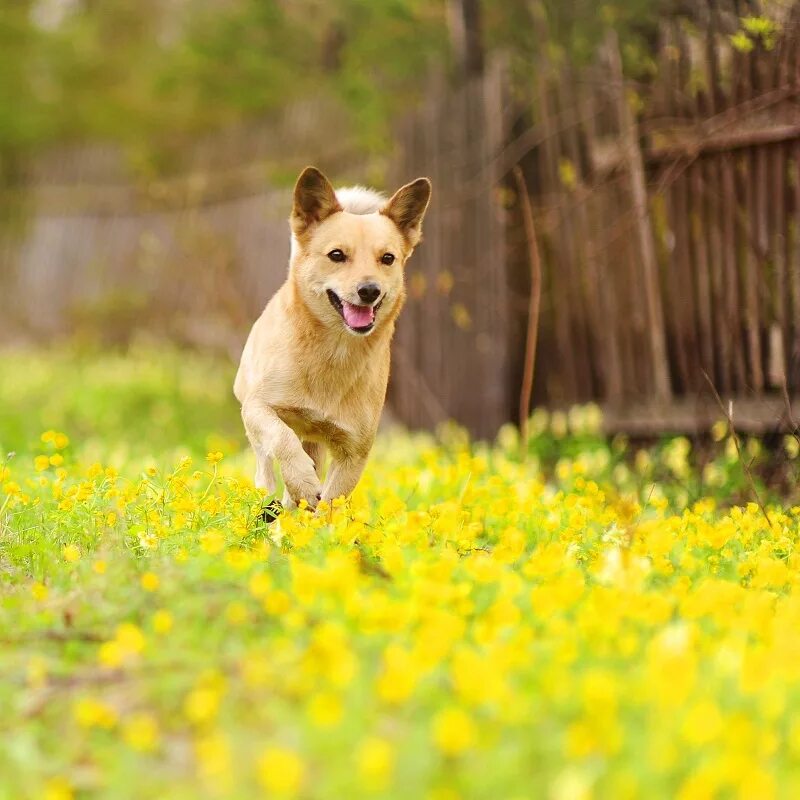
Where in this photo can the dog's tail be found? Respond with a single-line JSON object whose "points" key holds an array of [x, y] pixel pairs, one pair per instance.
{"points": [[360, 199]]}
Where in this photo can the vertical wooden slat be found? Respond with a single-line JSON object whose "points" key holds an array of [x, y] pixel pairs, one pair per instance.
{"points": [[731, 270], [644, 232], [702, 274], [556, 262], [794, 272], [721, 341]]}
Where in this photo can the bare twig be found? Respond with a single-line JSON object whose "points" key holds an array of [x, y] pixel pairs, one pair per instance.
{"points": [[427, 397], [788, 409], [54, 636], [728, 414], [534, 302]]}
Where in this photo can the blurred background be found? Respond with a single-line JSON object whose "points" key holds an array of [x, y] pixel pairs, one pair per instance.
{"points": [[616, 189]]}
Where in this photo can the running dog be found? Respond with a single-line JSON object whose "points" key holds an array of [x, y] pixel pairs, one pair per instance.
{"points": [[314, 370]]}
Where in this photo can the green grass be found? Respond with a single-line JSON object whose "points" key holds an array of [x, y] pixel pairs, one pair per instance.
{"points": [[568, 619]]}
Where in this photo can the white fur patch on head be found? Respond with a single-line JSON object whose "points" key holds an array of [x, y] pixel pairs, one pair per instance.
{"points": [[354, 200], [360, 199]]}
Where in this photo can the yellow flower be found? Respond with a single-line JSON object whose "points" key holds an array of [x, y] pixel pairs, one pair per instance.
{"points": [[213, 754], [92, 713], [212, 542], [281, 771], [719, 430], [399, 675], [259, 584], [41, 463], [140, 731], [150, 581], [58, 788], [56, 460], [148, 541], [127, 644], [215, 457], [375, 763], [454, 732], [130, 637], [202, 704], [324, 709], [70, 553], [39, 591], [162, 622], [99, 567], [110, 654]]}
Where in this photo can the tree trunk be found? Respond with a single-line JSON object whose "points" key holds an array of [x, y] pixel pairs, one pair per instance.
{"points": [[466, 33]]}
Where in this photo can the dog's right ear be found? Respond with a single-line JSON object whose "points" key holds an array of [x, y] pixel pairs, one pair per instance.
{"points": [[314, 200]]}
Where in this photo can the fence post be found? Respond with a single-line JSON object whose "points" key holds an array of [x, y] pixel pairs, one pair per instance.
{"points": [[634, 165]]}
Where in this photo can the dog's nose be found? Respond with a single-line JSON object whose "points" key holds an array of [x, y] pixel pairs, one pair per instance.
{"points": [[369, 292]]}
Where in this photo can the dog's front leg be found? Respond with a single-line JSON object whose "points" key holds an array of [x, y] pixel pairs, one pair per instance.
{"points": [[343, 476], [316, 451], [278, 440]]}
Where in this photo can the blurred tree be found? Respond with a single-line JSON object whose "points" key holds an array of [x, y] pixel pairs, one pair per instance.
{"points": [[138, 71], [466, 31]]}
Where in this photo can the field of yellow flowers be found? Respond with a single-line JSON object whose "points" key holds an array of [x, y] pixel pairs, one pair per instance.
{"points": [[568, 619]]}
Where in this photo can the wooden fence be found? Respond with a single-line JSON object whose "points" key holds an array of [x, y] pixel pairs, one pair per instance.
{"points": [[703, 277], [452, 356], [668, 218]]}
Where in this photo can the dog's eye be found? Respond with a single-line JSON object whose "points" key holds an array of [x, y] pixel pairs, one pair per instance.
{"points": [[337, 255], [388, 259]]}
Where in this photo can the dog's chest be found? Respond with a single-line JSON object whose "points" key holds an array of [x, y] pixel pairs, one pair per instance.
{"points": [[313, 426]]}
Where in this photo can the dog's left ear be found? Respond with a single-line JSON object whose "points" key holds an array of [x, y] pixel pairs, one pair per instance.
{"points": [[314, 200], [406, 208]]}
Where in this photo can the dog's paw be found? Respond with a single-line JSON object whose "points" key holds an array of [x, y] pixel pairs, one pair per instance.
{"points": [[308, 490], [271, 511]]}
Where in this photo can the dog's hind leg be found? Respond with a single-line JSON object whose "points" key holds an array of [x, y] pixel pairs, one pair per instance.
{"points": [[265, 471], [265, 479], [317, 452], [343, 477]]}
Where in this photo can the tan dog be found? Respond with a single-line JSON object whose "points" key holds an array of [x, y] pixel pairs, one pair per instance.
{"points": [[314, 371]]}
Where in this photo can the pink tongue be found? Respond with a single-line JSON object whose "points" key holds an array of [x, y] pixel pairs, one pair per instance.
{"points": [[357, 316]]}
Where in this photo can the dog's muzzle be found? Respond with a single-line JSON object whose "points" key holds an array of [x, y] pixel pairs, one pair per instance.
{"points": [[358, 317]]}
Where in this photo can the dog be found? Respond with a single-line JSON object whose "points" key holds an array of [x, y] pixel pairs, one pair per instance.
{"points": [[314, 370]]}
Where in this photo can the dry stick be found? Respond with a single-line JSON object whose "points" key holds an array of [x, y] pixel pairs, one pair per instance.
{"points": [[788, 411], [433, 407], [728, 414], [534, 302]]}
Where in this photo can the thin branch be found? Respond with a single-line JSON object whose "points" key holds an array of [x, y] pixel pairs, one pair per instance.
{"points": [[728, 414], [534, 303]]}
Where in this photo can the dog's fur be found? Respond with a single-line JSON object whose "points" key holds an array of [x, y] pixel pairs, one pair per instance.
{"points": [[308, 381]]}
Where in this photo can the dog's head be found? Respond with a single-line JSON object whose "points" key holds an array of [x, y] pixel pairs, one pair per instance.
{"points": [[348, 252]]}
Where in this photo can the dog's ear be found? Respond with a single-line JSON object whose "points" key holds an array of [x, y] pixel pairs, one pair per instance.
{"points": [[406, 208], [314, 200]]}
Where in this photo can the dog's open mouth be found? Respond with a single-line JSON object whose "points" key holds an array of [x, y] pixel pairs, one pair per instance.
{"points": [[360, 319]]}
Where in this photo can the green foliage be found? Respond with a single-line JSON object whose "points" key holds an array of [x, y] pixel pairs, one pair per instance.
{"points": [[144, 71], [756, 29], [146, 400]]}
